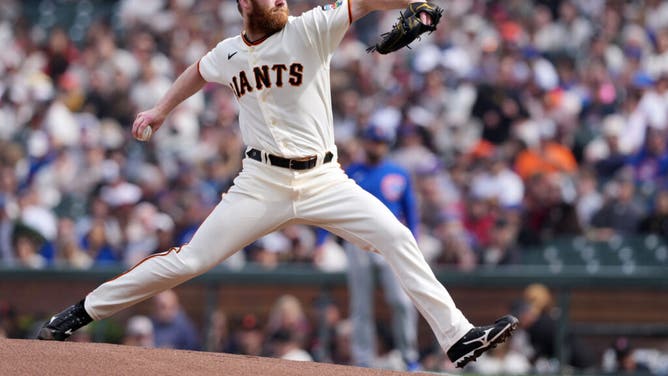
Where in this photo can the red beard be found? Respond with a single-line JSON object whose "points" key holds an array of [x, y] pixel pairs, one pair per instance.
{"points": [[268, 20]]}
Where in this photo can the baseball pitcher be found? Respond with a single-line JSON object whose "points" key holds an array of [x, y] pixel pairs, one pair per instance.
{"points": [[278, 68]]}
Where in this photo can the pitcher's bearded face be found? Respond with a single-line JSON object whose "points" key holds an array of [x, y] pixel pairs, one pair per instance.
{"points": [[268, 19]]}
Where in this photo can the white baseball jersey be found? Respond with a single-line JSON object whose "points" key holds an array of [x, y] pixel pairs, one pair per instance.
{"points": [[282, 81]]}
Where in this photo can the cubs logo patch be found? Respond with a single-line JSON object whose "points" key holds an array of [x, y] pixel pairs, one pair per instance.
{"points": [[392, 186], [332, 5]]}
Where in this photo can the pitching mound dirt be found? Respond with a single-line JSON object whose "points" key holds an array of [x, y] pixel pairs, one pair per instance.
{"points": [[32, 357]]}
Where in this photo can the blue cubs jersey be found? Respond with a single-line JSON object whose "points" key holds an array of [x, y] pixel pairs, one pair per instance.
{"points": [[391, 184]]}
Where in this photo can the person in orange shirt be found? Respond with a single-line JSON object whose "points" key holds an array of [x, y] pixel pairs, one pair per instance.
{"points": [[547, 156]]}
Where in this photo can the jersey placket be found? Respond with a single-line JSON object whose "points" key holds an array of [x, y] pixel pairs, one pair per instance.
{"points": [[265, 102]]}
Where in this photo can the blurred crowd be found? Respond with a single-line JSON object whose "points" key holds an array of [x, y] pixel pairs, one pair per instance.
{"points": [[520, 121]]}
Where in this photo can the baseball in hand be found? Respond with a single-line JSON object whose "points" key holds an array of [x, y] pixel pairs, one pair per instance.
{"points": [[146, 134]]}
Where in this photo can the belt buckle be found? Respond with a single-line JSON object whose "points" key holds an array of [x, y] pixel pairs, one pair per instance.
{"points": [[290, 166]]}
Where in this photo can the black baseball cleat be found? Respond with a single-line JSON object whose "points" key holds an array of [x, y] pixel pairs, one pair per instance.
{"points": [[480, 339], [61, 326]]}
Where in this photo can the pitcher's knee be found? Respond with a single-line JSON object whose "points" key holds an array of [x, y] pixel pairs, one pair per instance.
{"points": [[192, 262]]}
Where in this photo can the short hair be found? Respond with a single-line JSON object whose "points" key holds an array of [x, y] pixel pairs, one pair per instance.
{"points": [[239, 7]]}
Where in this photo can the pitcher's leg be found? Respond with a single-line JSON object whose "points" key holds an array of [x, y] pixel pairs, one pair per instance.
{"points": [[235, 222], [360, 288], [404, 316], [357, 216]]}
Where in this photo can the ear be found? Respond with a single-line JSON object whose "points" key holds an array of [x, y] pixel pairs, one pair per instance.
{"points": [[244, 5]]}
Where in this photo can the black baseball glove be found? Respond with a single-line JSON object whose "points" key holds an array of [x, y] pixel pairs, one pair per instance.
{"points": [[408, 28]]}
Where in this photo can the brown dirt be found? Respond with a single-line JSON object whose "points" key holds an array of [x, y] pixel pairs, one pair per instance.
{"points": [[32, 357]]}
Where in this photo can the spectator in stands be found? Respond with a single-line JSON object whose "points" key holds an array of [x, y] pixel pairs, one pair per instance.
{"points": [[68, 250], [99, 215], [539, 318], [411, 152], [656, 222], [456, 243], [588, 200], [285, 345], [498, 105], [248, 339], [547, 213], [341, 353], [172, 327], [502, 249], [324, 340], [60, 53], [626, 361], [141, 232], [139, 332], [479, 220], [546, 157], [97, 246], [650, 164], [497, 182], [26, 244], [40, 218], [9, 321], [288, 315], [621, 212], [608, 152], [218, 336], [436, 193]]}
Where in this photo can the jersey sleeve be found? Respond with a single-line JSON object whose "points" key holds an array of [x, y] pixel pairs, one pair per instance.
{"points": [[210, 66], [325, 26]]}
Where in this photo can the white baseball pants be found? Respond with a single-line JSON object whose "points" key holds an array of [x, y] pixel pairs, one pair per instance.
{"points": [[265, 198]]}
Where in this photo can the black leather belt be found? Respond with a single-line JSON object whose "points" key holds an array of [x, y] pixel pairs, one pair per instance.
{"points": [[293, 164]]}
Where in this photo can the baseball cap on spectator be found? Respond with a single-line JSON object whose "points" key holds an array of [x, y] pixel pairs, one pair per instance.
{"points": [[249, 322], [121, 194], [642, 80], [163, 222], [376, 133], [139, 326], [429, 167]]}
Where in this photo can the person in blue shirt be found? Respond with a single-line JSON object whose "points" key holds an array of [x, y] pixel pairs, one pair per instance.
{"points": [[172, 328], [392, 185]]}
